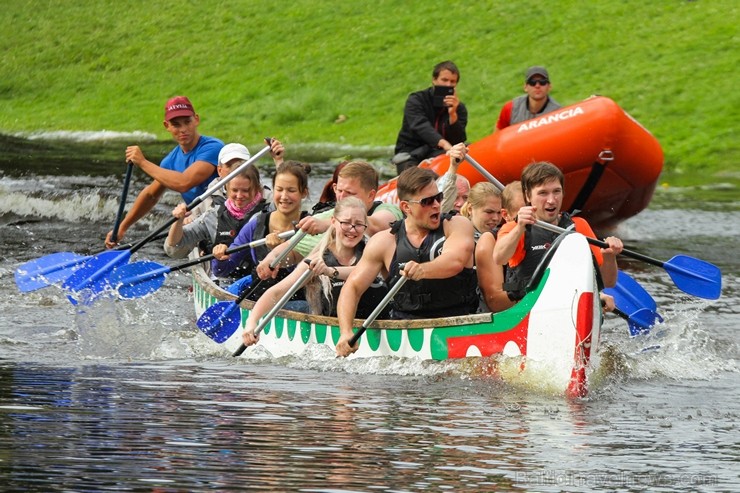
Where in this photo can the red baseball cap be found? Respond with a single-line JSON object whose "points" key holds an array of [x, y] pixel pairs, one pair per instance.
{"points": [[178, 106]]}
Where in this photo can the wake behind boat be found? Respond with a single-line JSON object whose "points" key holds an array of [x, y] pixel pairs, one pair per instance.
{"points": [[552, 332]]}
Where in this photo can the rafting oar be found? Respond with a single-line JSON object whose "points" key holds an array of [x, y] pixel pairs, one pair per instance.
{"points": [[222, 319], [629, 295], [41, 273], [635, 303], [92, 276], [691, 275], [122, 203], [381, 306], [140, 278], [54, 268], [278, 306], [639, 322]]}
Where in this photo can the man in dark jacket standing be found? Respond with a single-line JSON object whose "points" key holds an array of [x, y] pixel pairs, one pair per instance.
{"points": [[434, 119]]}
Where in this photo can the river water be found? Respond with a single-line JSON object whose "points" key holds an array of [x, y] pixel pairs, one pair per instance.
{"points": [[129, 396]]}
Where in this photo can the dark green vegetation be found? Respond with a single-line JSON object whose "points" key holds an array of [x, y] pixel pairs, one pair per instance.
{"points": [[338, 72]]}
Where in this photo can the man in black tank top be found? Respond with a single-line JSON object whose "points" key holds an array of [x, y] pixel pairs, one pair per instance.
{"points": [[437, 251]]}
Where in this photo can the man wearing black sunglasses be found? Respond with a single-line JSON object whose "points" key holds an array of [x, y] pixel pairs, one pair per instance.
{"points": [[535, 103], [435, 249]]}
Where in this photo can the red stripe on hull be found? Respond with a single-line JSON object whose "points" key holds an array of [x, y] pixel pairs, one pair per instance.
{"points": [[490, 344], [584, 329]]}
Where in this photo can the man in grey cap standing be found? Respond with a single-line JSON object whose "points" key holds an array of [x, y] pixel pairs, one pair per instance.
{"points": [[536, 102]]}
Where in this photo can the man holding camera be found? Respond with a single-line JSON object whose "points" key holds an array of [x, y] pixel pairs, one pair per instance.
{"points": [[434, 119]]}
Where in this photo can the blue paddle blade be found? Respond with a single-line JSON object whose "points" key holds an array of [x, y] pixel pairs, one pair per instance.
{"points": [[45, 271], [91, 278], [695, 277], [220, 321], [641, 321], [138, 279], [629, 295], [634, 304]]}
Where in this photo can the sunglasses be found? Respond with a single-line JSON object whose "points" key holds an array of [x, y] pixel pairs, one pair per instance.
{"points": [[534, 82], [427, 201]]}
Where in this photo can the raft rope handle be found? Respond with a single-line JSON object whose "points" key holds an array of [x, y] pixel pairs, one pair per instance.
{"points": [[605, 156], [597, 170]]}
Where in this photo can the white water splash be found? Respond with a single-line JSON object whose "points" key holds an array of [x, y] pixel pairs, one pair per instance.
{"points": [[86, 136], [680, 348], [73, 208]]}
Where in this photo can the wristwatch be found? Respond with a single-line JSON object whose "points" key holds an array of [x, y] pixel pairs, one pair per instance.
{"points": [[335, 274]]}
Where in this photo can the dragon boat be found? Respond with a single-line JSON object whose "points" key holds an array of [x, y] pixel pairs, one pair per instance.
{"points": [[549, 337], [611, 163]]}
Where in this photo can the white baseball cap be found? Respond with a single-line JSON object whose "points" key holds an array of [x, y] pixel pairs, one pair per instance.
{"points": [[232, 151]]}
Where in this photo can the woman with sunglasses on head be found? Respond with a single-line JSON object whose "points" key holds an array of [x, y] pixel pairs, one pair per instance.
{"points": [[535, 103], [331, 261]]}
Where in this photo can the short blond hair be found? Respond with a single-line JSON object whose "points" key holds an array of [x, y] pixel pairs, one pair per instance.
{"points": [[477, 197]]}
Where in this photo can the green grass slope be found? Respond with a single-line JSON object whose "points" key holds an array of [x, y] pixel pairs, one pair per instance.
{"points": [[291, 68]]}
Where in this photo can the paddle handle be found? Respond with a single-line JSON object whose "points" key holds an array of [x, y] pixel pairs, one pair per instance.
{"points": [[282, 301], [209, 191], [284, 254], [483, 171], [126, 246], [278, 306], [122, 203], [293, 242], [381, 306], [252, 244]]}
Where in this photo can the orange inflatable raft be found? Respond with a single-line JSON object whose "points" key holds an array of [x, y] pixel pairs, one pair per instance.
{"points": [[611, 162]]}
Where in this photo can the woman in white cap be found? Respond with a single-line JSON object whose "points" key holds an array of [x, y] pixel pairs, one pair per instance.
{"points": [[227, 213], [233, 155], [226, 210]]}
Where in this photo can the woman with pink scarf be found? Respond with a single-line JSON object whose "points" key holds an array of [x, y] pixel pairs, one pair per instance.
{"points": [[220, 223]]}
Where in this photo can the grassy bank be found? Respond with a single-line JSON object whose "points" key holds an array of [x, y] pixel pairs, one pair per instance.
{"points": [[290, 69]]}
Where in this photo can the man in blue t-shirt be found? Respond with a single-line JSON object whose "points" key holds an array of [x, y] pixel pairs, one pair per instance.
{"points": [[188, 169]]}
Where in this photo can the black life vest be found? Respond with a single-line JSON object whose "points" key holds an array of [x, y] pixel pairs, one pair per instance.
{"points": [[536, 243], [226, 230], [229, 226], [430, 298], [373, 207], [369, 299]]}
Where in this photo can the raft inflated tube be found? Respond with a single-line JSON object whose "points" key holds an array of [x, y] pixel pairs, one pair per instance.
{"points": [[611, 163]]}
